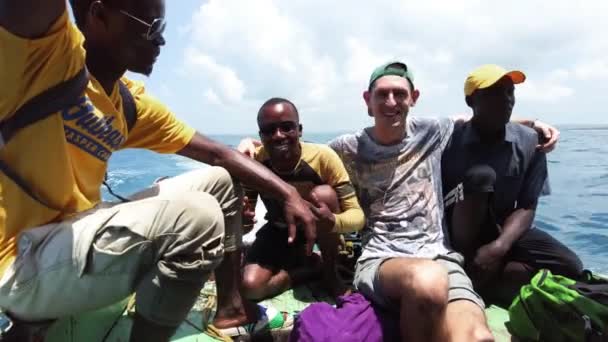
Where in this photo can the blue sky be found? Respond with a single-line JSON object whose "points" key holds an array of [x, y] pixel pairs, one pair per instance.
{"points": [[224, 58]]}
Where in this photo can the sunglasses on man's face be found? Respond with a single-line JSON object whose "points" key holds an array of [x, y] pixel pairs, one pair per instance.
{"points": [[285, 127], [155, 29]]}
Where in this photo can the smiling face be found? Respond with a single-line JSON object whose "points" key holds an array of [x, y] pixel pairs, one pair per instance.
{"points": [[280, 132], [389, 101]]}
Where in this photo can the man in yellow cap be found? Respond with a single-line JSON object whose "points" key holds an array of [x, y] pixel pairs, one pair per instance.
{"points": [[493, 174]]}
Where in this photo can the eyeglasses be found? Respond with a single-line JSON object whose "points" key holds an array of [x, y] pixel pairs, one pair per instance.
{"points": [[155, 29], [285, 127]]}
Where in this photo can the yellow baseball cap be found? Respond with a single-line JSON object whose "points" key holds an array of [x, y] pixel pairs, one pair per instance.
{"points": [[486, 75]]}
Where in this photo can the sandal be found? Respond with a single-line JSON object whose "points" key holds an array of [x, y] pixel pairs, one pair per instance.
{"points": [[269, 319]]}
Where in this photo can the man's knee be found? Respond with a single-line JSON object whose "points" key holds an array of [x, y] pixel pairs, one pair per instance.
{"points": [[466, 321], [567, 262], [218, 182], [540, 249], [478, 332], [220, 177], [254, 284], [427, 283], [326, 194], [482, 333], [197, 219]]}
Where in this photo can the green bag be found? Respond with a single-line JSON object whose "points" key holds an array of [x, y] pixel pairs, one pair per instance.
{"points": [[555, 308]]}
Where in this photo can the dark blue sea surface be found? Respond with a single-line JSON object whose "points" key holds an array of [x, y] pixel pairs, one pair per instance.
{"points": [[576, 212]]}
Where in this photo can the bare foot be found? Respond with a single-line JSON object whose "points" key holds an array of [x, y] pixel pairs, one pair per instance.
{"points": [[234, 317]]}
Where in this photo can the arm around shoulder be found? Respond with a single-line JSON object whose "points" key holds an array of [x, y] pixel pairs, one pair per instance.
{"points": [[30, 18], [548, 134]]}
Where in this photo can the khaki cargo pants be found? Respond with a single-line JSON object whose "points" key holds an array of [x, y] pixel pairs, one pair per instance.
{"points": [[163, 245]]}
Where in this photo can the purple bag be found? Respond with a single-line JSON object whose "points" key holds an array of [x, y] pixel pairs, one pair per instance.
{"points": [[354, 319]]}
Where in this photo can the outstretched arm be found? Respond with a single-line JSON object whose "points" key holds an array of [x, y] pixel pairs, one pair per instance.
{"points": [[30, 18], [548, 133]]}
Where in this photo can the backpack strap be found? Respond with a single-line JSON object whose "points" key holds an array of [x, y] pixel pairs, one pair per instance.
{"points": [[44, 105], [37, 109], [598, 292], [128, 106], [25, 186], [130, 112]]}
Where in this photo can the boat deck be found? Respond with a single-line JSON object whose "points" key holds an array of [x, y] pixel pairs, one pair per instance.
{"points": [[113, 324]]}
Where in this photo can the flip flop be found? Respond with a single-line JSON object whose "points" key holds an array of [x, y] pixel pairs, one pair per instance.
{"points": [[269, 319], [217, 334]]}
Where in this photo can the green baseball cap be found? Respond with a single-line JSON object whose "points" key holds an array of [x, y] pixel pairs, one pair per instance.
{"points": [[395, 68]]}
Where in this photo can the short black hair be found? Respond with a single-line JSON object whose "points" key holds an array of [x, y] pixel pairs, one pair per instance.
{"points": [[276, 100], [80, 8]]}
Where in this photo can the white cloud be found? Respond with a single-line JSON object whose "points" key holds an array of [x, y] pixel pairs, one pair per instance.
{"points": [[212, 97], [592, 70], [543, 91], [320, 54], [356, 67], [552, 87], [231, 88]]}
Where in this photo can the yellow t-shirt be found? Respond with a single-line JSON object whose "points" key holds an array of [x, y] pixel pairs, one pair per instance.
{"points": [[64, 157], [318, 165]]}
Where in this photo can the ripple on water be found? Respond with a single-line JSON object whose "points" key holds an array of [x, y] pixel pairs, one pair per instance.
{"points": [[592, 224], [547, 226], [595, 244], [601, 219]]}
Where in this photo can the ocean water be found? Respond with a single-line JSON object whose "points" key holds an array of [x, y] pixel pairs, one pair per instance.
{"points": [[576, 212]]}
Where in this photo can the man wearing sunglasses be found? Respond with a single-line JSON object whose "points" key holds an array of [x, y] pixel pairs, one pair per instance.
{"points": [[319, 175], [72, 253]]}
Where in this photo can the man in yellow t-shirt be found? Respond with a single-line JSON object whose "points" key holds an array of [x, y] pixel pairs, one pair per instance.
{"points": [[86, 255]]}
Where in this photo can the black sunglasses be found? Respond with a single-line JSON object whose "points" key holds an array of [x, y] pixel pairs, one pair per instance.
{"points": [[155, 29], [284, 127]]}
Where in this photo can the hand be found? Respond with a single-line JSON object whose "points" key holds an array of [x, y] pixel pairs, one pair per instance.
{"points": [[297, 209], [489, 258], [549, 133], [248, 146], [326, 220], [248, 212]]}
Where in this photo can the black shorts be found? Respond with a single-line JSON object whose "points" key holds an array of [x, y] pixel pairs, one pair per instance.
{"points": [[271, 249]]}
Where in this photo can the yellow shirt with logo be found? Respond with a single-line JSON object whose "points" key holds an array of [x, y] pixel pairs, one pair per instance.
{"points": [[64, 157]]}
